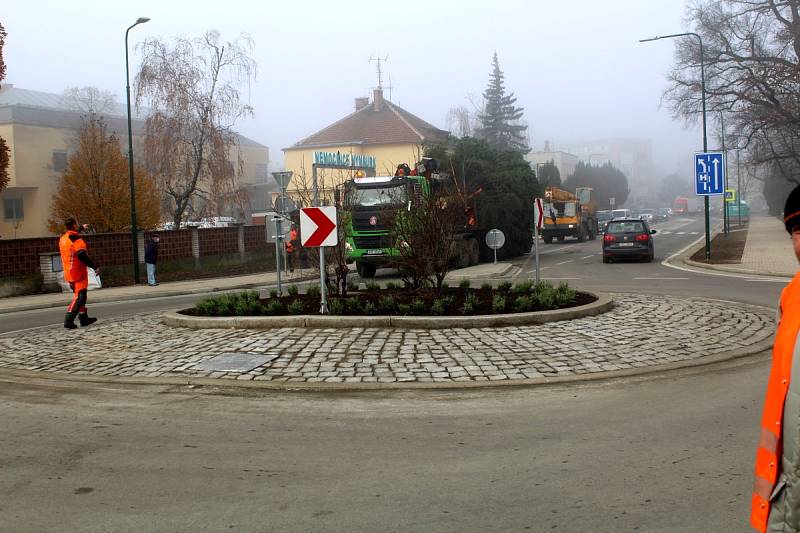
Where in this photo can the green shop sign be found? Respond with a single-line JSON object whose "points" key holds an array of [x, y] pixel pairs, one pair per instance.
{"points": [[339, 159]]}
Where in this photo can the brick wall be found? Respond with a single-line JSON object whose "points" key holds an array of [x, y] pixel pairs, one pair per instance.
{"points": [[20, 257], [173, 244], [215, 241]]}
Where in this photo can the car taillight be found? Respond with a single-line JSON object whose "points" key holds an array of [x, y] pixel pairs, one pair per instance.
{"points": [[644, 237], [609, 238]]}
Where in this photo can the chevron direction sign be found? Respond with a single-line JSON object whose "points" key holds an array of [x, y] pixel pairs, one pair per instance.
{"points": [[318, 226]]}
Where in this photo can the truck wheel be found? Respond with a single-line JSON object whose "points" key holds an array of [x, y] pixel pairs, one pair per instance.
{"points": [[592, 234], [365, 270], [582, 234], [474, 252], [547, 239]]}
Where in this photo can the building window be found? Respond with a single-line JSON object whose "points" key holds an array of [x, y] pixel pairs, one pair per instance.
{"points": [[12, 208], [262, 176], [59, 160]]}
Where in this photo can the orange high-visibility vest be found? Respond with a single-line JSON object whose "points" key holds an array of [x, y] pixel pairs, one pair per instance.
{"points": [[69, 245], [290, 242], [768, 455]]}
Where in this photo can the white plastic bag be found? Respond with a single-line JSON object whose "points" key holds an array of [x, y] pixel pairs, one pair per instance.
{"points": [[94, 280]]}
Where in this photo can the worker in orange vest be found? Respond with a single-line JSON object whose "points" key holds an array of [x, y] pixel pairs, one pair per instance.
{"points": [[290, 247], [75, 260], [776, 493]]}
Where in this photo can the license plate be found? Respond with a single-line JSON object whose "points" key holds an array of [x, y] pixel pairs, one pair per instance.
{"points": [[374, 252], [626, 244]]}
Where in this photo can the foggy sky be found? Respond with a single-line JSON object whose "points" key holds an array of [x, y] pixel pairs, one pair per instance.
{"points": [[575, 66]]}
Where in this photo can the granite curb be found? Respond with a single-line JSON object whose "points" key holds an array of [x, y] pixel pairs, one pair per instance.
{"points": [[603, 303]]}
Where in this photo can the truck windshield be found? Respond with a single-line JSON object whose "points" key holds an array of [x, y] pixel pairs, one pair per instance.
{"points": [[560, 209], [377, 196]]}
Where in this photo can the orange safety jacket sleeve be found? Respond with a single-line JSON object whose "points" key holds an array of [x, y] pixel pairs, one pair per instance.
{"points": [[80, 251]]}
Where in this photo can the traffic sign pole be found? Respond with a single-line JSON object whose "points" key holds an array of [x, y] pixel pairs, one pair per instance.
{"points": [[323, 306], [278, 240], [538, 214]]}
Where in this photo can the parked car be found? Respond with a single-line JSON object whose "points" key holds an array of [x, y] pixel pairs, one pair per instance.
{"points": [[621, 213], [662, 214], [628, 238], [648, 215]]}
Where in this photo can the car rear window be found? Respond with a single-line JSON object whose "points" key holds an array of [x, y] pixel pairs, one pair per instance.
{"points": [[625, 227]]}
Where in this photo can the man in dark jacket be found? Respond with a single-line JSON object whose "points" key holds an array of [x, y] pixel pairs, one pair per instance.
{"points": [[150, 259]]}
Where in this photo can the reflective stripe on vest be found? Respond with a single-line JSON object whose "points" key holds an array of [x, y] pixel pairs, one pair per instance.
{"points": [[767, 468]]}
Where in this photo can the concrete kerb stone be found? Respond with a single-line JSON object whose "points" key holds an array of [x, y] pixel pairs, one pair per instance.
{"points": [[603, 303]]}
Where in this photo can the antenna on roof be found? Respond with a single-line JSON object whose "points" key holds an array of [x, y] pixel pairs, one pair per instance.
{"points": [[380, 72], [390, 86]]}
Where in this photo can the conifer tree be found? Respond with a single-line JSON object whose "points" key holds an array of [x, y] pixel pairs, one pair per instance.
{"points": [[500, 123]]}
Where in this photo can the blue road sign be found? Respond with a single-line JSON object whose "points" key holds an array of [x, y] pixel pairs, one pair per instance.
{"points": [[709, 173]]}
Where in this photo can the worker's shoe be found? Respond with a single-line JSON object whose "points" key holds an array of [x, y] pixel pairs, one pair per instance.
{"points": [[86, 320], [69, 321]]}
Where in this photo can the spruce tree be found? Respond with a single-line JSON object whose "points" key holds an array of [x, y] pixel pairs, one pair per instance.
{"points": [[500, 121]]}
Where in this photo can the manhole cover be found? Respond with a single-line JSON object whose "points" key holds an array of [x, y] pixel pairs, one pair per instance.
{"points": [[235, 362]]}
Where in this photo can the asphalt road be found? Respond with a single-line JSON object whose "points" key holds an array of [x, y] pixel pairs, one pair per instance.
{"points": [[664, 453]]}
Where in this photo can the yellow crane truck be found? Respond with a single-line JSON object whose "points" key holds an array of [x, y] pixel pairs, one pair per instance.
{"points": [[569, 215]]}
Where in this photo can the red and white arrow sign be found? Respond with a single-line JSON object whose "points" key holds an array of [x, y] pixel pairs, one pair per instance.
{"points": [[538, 213], [318, 226]]}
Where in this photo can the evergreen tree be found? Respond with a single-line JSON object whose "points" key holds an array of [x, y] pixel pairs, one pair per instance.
{"points": [[500, 123], [607, 181], [548, 174]]}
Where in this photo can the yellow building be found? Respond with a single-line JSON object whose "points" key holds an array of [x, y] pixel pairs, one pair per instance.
{"points": [[377, 133], [40, 129]]}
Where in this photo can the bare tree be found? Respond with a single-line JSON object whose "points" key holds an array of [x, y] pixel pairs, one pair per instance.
{"points": [[751, 51], [459, 121], [89, 100], [193, 90], [5, 151]]}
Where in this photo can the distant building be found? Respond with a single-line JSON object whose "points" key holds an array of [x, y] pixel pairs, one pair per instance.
{"points": [[565, 162], [40, 129], [377, 133], [633, 156]]}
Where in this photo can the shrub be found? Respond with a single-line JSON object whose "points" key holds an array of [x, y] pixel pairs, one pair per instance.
{"points": [[564, 295], [372, 286], [523, 303], [505, 286], [273, 293], [274, 308], [499, 304], [336, 306], [352, 286], [439, 306], [312, 290], [417, 306], [445, 285], [292, 290], [296, 307], [354, 305], [522, 287], [548, 300], [486, 286], [544, 294], [386, 304], [464, 283], [405, 309], [206, 307], [391, 285], [245, 307], [471, 301], [370, 308]]}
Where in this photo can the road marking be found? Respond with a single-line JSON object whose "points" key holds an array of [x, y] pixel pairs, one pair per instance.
{"points": [[681, 233], [564, 262], [665, 232], [694, 233], [560, 279], [588, 256], [768, 280], [656, 278]]}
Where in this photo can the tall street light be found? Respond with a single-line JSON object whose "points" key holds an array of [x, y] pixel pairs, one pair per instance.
{"points": [[725, 215], [703, 95], [140, 20]]}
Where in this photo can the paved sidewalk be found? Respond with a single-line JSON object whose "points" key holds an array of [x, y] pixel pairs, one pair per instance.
{"points": [[767, 252], [200, 286], [640, 331]]}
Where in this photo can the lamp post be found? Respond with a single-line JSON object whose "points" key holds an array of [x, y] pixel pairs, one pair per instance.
{"points": [[134, 244], [738, 188], [703, 97], [726, 223]]}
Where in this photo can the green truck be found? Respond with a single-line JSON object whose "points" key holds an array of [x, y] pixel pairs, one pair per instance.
{"points": [[372, 201]]}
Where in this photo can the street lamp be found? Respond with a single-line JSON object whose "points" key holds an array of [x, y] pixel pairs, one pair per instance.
{"points": [[703, 96], [725, 215], [135, 247]]}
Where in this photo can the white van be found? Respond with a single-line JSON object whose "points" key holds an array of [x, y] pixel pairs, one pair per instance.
{"points": [[621, 213]]}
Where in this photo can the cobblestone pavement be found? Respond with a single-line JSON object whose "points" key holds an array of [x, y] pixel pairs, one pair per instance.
{"points": [[642, 330]]}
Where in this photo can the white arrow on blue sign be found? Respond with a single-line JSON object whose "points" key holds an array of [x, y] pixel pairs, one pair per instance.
{"points": [[709, 173]]}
